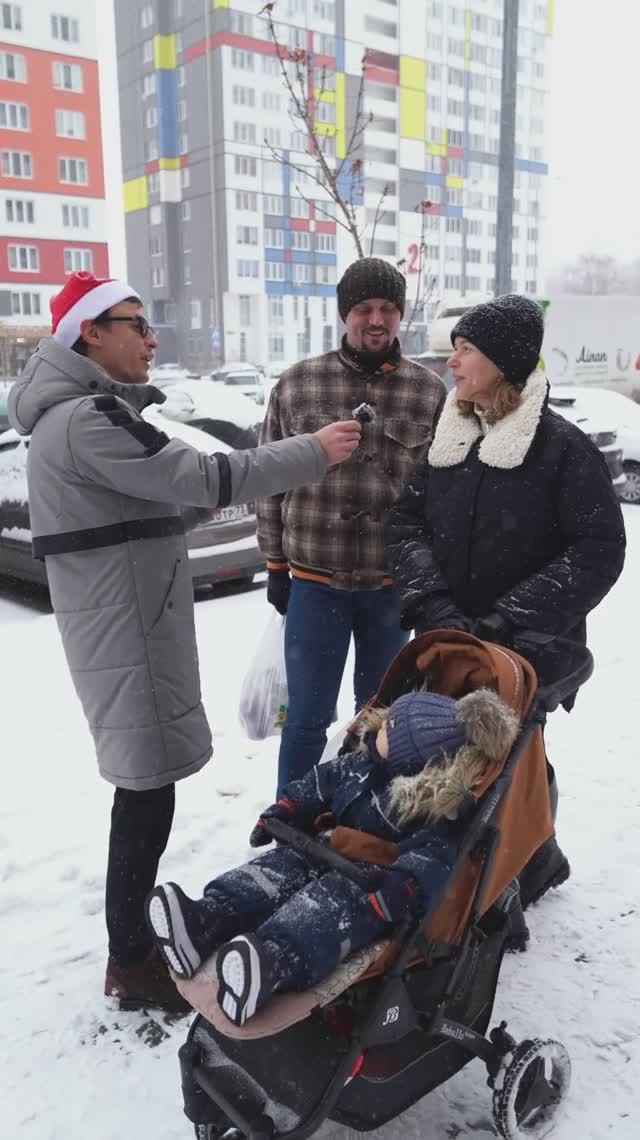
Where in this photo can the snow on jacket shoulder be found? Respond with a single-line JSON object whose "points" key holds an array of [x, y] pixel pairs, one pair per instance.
{"points": [[107, 498]]}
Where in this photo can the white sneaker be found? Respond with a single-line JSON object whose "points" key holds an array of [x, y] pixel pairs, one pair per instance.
{"points": [[241, 985], [165, 908]]}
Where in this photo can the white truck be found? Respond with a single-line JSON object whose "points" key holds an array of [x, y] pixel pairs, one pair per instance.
{"points": [[591, 341]]}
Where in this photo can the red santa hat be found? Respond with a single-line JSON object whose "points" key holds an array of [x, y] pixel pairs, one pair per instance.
{"points": [[84, 298]]}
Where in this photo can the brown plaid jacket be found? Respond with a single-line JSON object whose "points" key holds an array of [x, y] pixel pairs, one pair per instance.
{"points": [[332, 530]]}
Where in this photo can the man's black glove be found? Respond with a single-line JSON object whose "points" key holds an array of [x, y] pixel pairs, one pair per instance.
{"points": [[494, 627], [278, 589], [284, 809], [440, 612]]}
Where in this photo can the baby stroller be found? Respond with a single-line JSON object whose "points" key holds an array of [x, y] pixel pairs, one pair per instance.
{"points": [[397, 1019]]}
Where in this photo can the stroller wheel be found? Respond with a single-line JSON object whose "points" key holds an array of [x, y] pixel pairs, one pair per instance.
{"points": [[531, 1084]]}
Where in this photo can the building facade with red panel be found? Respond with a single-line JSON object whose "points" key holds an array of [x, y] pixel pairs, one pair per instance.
{"points": [[52, 192]]}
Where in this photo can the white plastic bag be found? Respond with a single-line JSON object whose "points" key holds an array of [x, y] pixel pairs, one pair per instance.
{"points": [[264, 696]]}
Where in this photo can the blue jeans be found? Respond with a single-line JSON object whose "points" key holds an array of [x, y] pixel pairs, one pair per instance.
{"points": [[320, 622]]}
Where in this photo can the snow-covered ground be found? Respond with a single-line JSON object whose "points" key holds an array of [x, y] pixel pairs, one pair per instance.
{"points": [[67, 1079]]}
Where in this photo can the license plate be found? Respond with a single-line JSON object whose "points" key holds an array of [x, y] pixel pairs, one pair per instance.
{"points": [[230, 514]]}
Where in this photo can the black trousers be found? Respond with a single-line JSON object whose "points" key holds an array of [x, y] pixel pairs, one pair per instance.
{"points": [[140, 829]]}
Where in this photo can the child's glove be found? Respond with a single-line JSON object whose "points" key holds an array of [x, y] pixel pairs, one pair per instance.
{"points": [[284, 809], [397, 896]]}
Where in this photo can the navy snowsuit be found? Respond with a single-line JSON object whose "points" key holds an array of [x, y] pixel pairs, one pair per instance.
{"points": [[309, 920]]}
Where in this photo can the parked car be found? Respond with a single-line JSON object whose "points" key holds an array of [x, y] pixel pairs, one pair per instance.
{"points": [[219, 410], [598, 423], [245, 378], [590, 407], [222, 549], [5, 384], [436, 362]]}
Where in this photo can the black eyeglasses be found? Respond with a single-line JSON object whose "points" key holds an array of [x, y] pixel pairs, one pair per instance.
{"points": [[141, 323]]}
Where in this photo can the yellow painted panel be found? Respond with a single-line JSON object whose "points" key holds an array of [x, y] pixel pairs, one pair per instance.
{"points": [[164, 52], [412, 114], [453, 180], [325, 128], [551, 16], [467, 39], [169, 163], [341, 115], [322, 96], [437, 148], [413, 73], [136, 195], [220, 3]]}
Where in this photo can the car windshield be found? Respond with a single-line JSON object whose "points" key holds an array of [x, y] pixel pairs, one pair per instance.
{"points": [[241, 378]]}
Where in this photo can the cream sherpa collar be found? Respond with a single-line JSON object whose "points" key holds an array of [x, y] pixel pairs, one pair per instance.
{"points": [[505, 445]]}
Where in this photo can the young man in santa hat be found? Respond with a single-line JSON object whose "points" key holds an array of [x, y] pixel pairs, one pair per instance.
{"points": [[110, 498]]}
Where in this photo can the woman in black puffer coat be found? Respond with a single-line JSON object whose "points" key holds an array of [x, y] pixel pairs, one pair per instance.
{"points": [[510, 523]]}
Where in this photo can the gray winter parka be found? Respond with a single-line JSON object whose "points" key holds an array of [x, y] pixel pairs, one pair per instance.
{"points": [[110, 498]]}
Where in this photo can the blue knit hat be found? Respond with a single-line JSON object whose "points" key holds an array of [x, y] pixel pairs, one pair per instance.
{"points": [[422, 727]]}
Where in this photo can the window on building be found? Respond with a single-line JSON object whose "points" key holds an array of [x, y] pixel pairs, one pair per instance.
{"points": [[274, 270], [148, 85], [474, 254], [75, 216], [147, 51], [276, 346], [181, 77], [20, 210], [185, 211], [244, 60], [244, 132], [186, 240], [183, 143], [380, 27], [272, 136], [474, 228], [275, 309], [384, 248], [157, 276], [242, 23], [151, 117], [71, 124], [244, 310], [13, 66], [155, 246], [326, 243], [243, 96], [246, 200], [271, 101], [381, 154], [195, 313], [151, 150], [67, 76], [16, 164], [270, 65], [383, 91], [26, 304], [74, 170], [146, 16], [14, 116], [248, 268], [274, 238], [185, 177], [299, 208], [24, 258], [76, 260], [247, 235], [186, 273], [454, 225], [11, 17], [298, 140], [324, 9], [301, 239], [326, 274], [65, 28], [155, 215], [245, 165]]}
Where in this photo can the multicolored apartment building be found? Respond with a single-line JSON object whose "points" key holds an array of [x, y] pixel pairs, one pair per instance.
{"points": [[230, 236], [52, 193]]}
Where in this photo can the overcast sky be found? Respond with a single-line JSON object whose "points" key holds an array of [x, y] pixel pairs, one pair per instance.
{"points": [[593, 143]]}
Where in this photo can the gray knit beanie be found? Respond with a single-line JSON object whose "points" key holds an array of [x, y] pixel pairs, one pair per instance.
{"points": [[421, 728], [370, 277], [509, 331]]}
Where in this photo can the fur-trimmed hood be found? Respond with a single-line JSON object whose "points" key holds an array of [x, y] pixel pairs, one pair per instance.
{"points": [[440, 789], [506, 443]]}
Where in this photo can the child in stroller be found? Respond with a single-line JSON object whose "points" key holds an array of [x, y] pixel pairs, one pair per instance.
{"points": [[282, 923]]}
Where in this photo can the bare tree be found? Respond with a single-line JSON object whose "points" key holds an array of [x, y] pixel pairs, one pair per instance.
{"points": [[344, 183]]}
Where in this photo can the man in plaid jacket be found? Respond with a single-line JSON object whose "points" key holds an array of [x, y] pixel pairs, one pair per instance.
{"points": [[324, 542]]}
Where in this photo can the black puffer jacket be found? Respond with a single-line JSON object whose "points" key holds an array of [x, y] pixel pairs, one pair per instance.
{"points": [[523, 521]]}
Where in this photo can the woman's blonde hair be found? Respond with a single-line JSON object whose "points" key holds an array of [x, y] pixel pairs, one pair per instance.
{"points": [[505, 398]]}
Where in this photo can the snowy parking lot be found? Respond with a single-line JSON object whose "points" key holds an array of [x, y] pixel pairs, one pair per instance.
{"points": [[75, 1068]]}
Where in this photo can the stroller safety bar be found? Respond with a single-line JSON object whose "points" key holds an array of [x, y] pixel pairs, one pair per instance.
{"points": [[320, 853]]}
